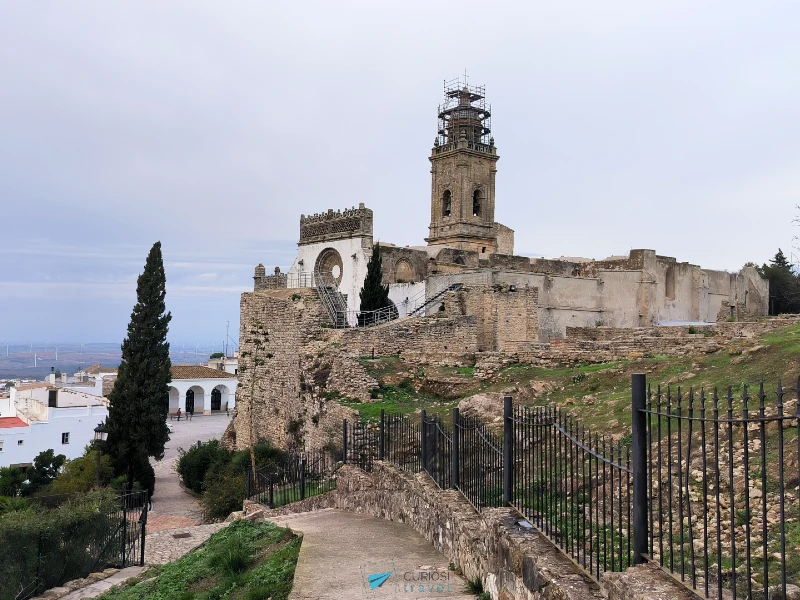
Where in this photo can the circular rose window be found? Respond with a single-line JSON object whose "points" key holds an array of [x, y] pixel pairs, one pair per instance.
{"points": [[329, 266]]}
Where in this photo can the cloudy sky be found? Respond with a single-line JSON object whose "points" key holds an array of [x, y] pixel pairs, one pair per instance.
{"points": [[211, 126]]}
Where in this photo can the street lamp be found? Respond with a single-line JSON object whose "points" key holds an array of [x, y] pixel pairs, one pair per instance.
{"points": [[100, 436]]}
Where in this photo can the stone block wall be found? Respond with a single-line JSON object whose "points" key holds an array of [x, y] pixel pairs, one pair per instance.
{"points": [[428, 335], [284, 371]]}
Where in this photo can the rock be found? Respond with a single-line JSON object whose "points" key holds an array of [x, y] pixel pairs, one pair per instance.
{"points": [[482, 406]]}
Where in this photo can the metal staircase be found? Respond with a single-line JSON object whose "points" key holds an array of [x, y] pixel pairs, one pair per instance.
{"points": [[433, 300], [332, 299]]}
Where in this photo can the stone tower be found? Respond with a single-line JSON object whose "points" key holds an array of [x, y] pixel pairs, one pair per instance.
{"points": [[463, 168]]}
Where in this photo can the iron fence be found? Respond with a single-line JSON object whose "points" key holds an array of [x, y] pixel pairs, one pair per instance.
{"points": [[479, 462], [706, 485], [437, 450], [399, 442], [574, 486], [722, 489], [298, 477]]}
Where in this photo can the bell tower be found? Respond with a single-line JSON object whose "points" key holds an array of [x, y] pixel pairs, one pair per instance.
{"points": [[463, 168]]}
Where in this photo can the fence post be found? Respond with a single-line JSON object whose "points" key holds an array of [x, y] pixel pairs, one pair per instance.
{"points": [[423, 437], [639, 435], [344, 442], [508, 435], [143, 532], [303, 480], [382, 447], [124, 531], [454, 452], [271, 493]]}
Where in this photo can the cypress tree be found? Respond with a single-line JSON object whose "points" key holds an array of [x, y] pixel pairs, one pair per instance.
{"points": [[137, 417], [374, 295]]}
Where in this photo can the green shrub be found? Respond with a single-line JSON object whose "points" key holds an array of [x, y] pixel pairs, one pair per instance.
{"points": [[221, 475], [8, 505], [193, 464], [692, 329], [52, 544]]}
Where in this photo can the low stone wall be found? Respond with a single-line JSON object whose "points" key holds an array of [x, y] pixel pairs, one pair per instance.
{"points": [[431, 334], [513, 564]]}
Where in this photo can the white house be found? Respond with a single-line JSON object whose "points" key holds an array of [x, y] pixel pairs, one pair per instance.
{"points": [[201, 389], [39, 417]]}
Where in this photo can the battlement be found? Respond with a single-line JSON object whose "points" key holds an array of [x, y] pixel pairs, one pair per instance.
{"points": [[336, 225]]}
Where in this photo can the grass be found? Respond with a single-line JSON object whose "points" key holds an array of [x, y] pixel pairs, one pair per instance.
{"points": [[607, 383], [244, 561]]}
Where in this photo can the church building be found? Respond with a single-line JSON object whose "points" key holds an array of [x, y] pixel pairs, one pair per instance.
{"points": [[470, 257]]}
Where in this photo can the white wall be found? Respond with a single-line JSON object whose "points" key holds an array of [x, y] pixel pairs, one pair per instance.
{"points": [[202, 393], [354, 266], [407, 296], [44, 435]]}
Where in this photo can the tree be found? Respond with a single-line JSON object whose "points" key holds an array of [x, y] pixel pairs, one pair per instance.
{"points": [[784, 285], [12, 480], [80, 474], [45, 469], [137, 416], [374, 295]]}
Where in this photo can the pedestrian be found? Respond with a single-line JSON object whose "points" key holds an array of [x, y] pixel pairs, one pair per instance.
{"points": [[191, 414], [179, 414], [227, 413]]}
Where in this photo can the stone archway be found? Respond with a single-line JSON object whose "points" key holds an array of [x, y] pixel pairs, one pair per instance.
{"points": [[329, 266], [404, 272]]}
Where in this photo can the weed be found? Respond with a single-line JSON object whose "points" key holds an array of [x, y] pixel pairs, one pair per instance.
{"points": [[692, 329], [475, 586]]}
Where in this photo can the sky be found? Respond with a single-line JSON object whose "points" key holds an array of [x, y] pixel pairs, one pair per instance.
{"points": [[212, 126]]}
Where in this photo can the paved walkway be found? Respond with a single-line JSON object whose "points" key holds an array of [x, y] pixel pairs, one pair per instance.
{"points": [[341, 549], [98, 587], [168, 545]]}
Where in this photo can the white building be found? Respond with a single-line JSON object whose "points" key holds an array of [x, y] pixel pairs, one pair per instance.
{"points": [[201, 389], [229, 364], [39, 417]]}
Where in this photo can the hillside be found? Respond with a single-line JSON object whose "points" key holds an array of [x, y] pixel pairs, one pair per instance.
{"points": [[597, 394]]}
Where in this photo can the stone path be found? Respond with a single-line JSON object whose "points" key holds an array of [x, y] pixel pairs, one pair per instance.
{"points": [[170, 498], [341, 549], [98, 587], [168, 545]]}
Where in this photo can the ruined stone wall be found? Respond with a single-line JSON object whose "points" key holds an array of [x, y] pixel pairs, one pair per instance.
{"points": [[284, 371], [505, 239], [429, 335], [506, 321], [404, 265]]}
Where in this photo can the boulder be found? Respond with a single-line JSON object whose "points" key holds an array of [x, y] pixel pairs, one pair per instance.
{"points": [[485, 406]]}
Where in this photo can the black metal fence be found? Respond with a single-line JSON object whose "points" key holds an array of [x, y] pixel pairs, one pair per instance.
{"points": [[299, 477], [707, 485], [573, 485], [722, 488]]}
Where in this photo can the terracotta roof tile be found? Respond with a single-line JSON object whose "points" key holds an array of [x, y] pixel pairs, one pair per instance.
{"points": [[9, 422], [199, 372]]}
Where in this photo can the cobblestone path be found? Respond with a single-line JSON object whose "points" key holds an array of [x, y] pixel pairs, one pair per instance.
{"points": [[168, 545]]}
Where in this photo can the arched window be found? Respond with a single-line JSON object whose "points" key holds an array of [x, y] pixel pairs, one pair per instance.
{"points": [[446, 203], [477, 198]]}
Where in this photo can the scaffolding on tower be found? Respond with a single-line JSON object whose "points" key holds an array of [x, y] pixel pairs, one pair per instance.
{"points": [[464, 114]]}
